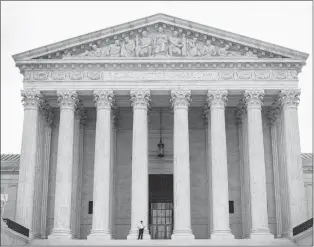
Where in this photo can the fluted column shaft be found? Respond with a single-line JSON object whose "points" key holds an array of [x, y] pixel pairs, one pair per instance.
{"points": [[25, 195], [253, 99], [217, 100], [75, 172], [289, 100], [239, 122], [104, 100], [139, 205], [272, 116], [209, 168], [46, 160], [63, 194], [39, 175], [181, 165], [112, 170], [80, 168], [246, 176]]}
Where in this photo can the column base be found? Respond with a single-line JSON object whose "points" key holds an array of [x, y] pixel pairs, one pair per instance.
{"points": [[261, 234], [221, 234], [182, 234], [133, 235], [99, 234], [60, 234]]}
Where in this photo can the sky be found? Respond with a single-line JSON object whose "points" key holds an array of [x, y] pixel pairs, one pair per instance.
{"points": [[28, 25]]}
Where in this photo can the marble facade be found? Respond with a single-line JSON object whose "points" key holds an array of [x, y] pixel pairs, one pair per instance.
{"points": [[230, 130]]}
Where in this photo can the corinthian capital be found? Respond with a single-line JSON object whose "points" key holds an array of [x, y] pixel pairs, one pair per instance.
{"points": [[67, 99], [253, 97], [217, 98], [31, 99], [289, 97], [140, 98], [180, 98], [103, 99]]}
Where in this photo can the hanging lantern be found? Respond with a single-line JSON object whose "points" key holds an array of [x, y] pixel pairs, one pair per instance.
{"points": [[160, 144]]}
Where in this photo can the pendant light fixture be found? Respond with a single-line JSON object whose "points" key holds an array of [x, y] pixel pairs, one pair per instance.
{"points": [[160, 144]]}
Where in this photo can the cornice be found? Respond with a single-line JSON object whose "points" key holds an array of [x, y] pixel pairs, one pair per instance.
{"points": [[199, 29]]}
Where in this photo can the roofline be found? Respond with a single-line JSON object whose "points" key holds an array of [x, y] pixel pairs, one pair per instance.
{"points": [[92, 36]]}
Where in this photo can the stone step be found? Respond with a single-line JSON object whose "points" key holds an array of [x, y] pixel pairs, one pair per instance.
{"points": [[157, 243]]}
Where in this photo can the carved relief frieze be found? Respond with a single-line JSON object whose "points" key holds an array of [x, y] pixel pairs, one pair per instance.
{"points": [[152, 75], [160, 40]]}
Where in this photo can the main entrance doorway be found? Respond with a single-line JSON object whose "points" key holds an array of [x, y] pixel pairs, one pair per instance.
{"points": [[160, 206]]}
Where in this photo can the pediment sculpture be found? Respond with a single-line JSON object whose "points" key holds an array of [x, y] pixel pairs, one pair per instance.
{"points": [[161, 44]]}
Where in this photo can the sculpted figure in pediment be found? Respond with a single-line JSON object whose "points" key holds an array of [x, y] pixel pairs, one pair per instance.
{"points": [[192, 47], [208, 50], [143, 45], [176, 45], [160, 43], [250, 54], [128, 48], [225, 52], [95, 52], [66, 54], [114, 49]]}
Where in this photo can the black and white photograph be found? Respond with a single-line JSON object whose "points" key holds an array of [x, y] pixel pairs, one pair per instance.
{"points": [[162, 123]]}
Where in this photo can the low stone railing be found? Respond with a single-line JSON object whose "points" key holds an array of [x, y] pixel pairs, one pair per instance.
{"points": [[11, 237], [11, 232], [303, 233]]}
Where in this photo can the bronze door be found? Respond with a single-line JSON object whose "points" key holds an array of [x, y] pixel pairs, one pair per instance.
{"points": [[160, 206]]}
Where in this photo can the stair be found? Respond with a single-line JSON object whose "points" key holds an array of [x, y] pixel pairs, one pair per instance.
{"points": [[157, 243]]}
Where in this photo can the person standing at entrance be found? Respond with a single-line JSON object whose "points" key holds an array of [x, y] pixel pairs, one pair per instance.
{"points": [[140, 230]]}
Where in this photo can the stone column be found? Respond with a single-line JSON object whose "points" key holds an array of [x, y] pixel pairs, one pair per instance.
{"points": [[28, 159], [239, 119], [206, 118], [181, 165], [112, 170], [139, 205], [217, 100], [46, 160], [104, 100], [75, 170], [272, 117], [246, 173], [289, 100], [39, 173], [80, 168], [253, 100], [63, 195]]}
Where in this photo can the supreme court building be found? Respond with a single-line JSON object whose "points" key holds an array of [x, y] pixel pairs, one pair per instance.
{"points": [[192, 129]]}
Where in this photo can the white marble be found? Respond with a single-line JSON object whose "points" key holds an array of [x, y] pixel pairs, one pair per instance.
{"points": [[139, 202], [181, 165], [273, 115], [63, 193], [217, 100], [46, 163], [240, 118], [296, 200], [28, 160], [253, 100], [75, 170], [101, 193]]}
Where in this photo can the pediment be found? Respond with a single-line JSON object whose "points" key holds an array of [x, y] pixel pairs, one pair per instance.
{"points": [[160, 36]]}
